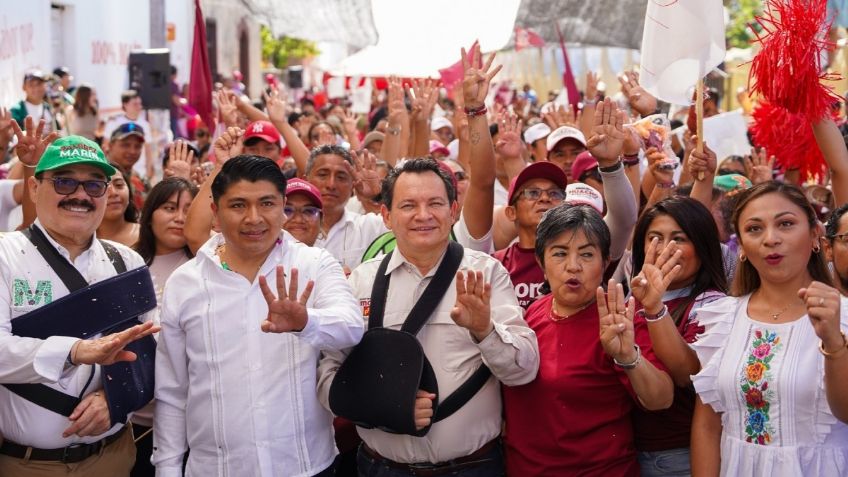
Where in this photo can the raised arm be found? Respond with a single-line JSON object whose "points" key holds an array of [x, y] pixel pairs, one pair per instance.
{"points": [[832, 147], [29, 149], [480, 197], [653, 387], [398, 127], [702, 166], [424, 95], [198, 224], [275, 102]]}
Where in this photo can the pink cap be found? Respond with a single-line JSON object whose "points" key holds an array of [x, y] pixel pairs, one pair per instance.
{"points": [[300, 186]]}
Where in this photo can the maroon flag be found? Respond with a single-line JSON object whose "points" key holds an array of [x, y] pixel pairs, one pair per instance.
{"points": [[452, 75], [200, 84], [568, 75], [525, 38]]}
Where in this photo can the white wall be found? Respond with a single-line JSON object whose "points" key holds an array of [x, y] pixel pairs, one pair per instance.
{"points": [[180, 13], [24, 44]]}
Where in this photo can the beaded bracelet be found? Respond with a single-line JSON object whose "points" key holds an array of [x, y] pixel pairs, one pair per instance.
{"points": [[652, 318], [478, 111], [635, 361]]}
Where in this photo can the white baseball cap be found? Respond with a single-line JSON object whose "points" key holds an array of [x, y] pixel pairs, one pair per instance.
{"points": [[565, 132], [578, 193], [439, 123], [536, 132]]}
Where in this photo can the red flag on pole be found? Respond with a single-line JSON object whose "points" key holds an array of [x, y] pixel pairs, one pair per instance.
{"points": [[452, 75], [525, 38], [200, 84], [568, 75]]}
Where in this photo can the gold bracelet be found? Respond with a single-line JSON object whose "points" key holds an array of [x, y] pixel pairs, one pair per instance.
{"points": [[837, 353]]}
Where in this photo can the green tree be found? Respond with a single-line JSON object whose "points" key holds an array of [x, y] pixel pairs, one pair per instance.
{"points": [[742, 13], [279, 50]]}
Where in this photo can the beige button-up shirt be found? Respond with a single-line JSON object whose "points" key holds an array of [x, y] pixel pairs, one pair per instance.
{"points": [[510, 351]]}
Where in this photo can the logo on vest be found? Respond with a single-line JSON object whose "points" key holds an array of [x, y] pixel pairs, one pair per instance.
{"points": [[365, 303], [24, 296]]}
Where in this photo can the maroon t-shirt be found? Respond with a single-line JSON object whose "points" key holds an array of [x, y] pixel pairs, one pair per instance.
{"points": [[574, 418], [526, 274], [670, 428]]}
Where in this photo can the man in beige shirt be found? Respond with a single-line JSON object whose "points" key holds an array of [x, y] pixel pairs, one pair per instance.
{"points": [[478, 321]]}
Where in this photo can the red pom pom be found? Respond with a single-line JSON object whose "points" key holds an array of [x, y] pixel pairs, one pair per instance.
{"points": [[789, 138], [787, 71]]}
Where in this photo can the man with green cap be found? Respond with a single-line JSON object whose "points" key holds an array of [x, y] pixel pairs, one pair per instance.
{"points": [[41, 434]]}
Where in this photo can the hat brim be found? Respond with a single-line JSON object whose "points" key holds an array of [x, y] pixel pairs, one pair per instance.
{"points": [[539, 170], [119, 137], [107, 168]]}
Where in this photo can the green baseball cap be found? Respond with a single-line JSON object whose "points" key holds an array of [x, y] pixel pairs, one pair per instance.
{"points": [[732, 182], [70, 150]]}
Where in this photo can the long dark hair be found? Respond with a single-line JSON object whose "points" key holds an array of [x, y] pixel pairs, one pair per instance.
{"points": [[82, 98], [747, 279], [697, 223], [161, 192], [131, 212]]}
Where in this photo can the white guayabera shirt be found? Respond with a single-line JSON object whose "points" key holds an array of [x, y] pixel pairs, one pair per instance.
{"points": [[245, 401]]}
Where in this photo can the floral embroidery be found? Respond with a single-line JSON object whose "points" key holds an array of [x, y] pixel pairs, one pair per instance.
{"points": [[755, 387]]}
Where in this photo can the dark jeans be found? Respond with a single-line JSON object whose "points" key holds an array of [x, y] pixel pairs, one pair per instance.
{"points": [[491, 465]]}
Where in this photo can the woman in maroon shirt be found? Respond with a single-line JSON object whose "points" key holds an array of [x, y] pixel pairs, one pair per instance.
{"points": [[596, 365], [677, 236]]}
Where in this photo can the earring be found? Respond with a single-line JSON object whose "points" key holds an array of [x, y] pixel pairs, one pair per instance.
{"points": [[817, 248], [742, 257]]}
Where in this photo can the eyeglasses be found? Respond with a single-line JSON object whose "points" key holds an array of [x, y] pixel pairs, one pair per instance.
{"points": [[532, 193], [840, 238], [460, 176], [308, 212], [67, 186]]}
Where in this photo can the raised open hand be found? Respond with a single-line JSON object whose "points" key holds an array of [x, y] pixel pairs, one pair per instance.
{"points": [[228, 145], [616, 318], [658, 272], [476, 79], [31, 145], [472, 310], [398, 114], [608, 135], [286, 312], [424, 95], [228, 107], [761, 166], [180, 158], [275, 104], [509, 136], [592, 81], [366, 179], [6, 123], [640, 100], [109, 349], [560, 116]]}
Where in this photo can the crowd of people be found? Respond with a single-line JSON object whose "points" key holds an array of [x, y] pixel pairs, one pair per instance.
{"points": [[453, 284]]}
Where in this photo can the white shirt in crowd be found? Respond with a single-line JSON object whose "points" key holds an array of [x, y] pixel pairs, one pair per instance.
{"points": [[27, 283], [245, 401], [350, 237], [10, 210]]}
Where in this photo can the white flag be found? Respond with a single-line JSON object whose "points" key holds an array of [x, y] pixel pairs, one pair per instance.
{"points": [[682, 42]]}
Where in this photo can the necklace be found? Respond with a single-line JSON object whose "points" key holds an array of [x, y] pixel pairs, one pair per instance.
{"points": [[557, 316]]}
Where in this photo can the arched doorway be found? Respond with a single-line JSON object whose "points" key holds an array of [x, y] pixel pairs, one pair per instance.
{"points": [[244, 57]]}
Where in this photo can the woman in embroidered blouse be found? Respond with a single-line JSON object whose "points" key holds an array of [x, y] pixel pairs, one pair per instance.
{"points": [[770, 402], [574, 418]]}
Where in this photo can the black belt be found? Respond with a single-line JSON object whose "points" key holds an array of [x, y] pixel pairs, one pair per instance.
{"points": [[425, 469], [67, 455]]}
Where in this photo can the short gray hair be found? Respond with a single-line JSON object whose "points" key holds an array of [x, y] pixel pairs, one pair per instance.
{"points": [[330, 149]]}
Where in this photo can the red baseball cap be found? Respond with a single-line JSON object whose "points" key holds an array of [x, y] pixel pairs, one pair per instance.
{"points": [[538, 170], [300, 186], [582, 163], [263, 130]]}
